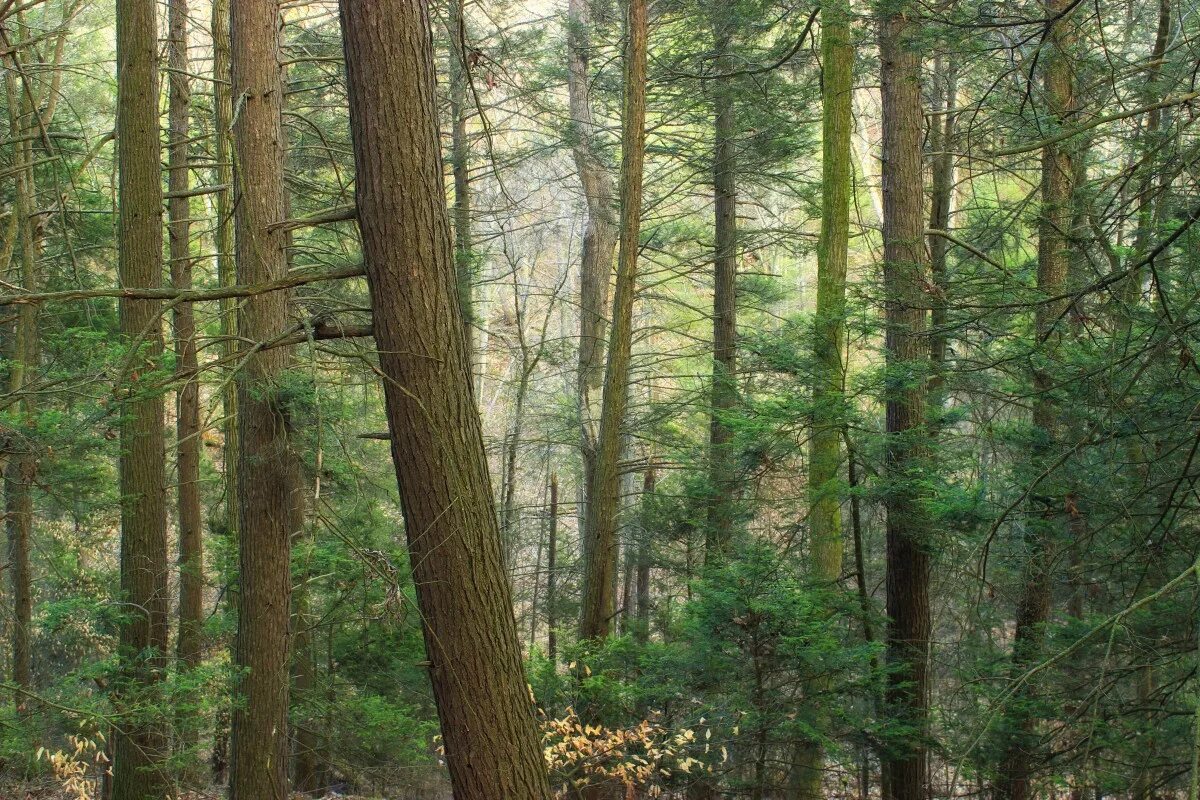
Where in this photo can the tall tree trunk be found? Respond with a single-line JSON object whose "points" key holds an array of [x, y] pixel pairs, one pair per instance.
{"points": [[724, 376], [1044, 527], [601, 528], [552, 575], [21, 467], [259, 732], [1131, 287], [189, 644], [491, 743], [140, 747], [599, 242], [829, 338], [908, 631], [222, 100], [941, 136]]}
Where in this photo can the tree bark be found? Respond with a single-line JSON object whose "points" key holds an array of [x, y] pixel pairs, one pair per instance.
{"points": [[724, 375], [222, 100], [602, 508], [21, 467], [641, 631], [187, 453], [829, 339], [552, 575], [907, 355], [599, 242], [265, 526], [140, 746], [941, 136], [491, 744], [460, 164], [1044, 527]]}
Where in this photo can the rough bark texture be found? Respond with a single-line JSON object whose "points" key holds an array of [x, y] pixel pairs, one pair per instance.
{"points": [[187, 452], [140, 745], [491, 743], [724, 376], [908, 632], [460, 164], [259, 732], [599, 240], [829, 337], [601, 528], [1046, 522]]}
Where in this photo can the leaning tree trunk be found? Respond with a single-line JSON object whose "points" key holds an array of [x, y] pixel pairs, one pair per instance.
{"points": [[460, 163], [140, 747], [491, 743], [1015, 775], [904, 267], [724, 374], [601, 528], [265, 527], [829, 342]]}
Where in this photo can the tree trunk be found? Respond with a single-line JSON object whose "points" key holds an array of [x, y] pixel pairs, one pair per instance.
{"points": [[140, 747], [829, 340], [1043, 528], [641, 631], [187, 453], [599, 242], [306, 776], [226, 276], [552, 575], [908, 631], [491, 743], [602, 508], [460, 164], [724, 374], [21, 467], [941, 135], [265, 526]]}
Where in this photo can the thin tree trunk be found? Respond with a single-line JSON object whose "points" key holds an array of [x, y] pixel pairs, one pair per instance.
{"points": [[259, 733], [491, 743], [602, 507], [552, 575], [460, 164], [599, 242], [226, 276], [641, 631], [908, 632], [189, 644], [21, 467], [724, 375], [1042, 529], [140, 746], [829, 342], [1132, 285], [941, 137], [306, 777]]}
